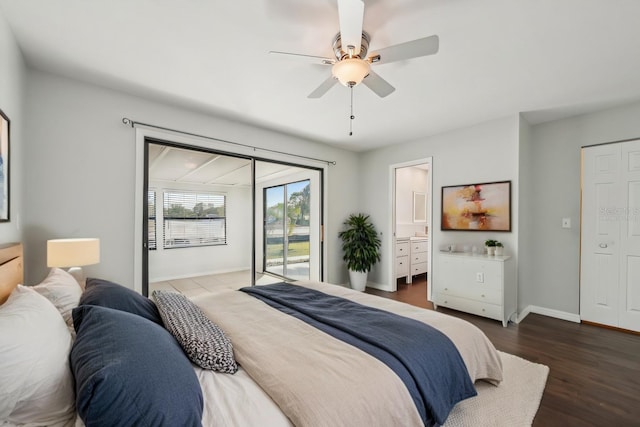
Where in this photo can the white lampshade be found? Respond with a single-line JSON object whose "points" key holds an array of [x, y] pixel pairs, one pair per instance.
{"points": [[351, 71], [72, 252]]}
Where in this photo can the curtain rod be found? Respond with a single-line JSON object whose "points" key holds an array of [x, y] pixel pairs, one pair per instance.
{"points": [[133, 124]]}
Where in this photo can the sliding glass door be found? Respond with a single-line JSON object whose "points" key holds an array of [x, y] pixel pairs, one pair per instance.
{"points": [[215, 220], [287, 214]]}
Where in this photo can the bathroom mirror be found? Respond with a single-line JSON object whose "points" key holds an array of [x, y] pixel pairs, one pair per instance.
{"points": [[419, 207]]}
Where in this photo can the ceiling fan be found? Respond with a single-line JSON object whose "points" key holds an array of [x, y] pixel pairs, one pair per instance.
{"points": [[351, 65]]}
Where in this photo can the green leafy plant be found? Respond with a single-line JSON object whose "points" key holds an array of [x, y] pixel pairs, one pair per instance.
{"points": [[498, 245], [360, 243], [491, 243]]}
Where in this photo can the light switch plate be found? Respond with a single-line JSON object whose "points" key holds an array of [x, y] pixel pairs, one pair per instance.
{"points": [[566, 222]]}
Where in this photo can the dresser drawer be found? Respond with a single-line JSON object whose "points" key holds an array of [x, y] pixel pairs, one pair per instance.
{"points": [[419, 257], [476, 292], [402, 266], [491, 311], [471, 272], [402, 248], [418, 268], [419, 246]]}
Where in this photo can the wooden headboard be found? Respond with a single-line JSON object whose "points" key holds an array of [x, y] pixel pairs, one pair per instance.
{"points": [[11, 271]]}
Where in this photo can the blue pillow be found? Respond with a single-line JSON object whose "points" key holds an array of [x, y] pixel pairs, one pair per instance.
{"points": [[130, 371], [108, 294]]}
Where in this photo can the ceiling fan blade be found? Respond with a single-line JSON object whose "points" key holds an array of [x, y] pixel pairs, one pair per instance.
{"points": [[323, 88], [310, 58], [377, 84], [413, 49], [351, 14]]}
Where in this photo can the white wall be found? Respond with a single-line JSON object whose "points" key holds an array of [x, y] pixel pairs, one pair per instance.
{"points": [[81, 176], [166, 264], [482, 153], [552, 277], [12, 88]]}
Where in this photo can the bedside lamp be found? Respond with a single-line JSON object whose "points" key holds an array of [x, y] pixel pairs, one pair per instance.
{"points": [[73, 253]]}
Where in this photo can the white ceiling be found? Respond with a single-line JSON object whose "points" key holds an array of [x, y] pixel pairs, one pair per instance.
{"points": [[171, 165], [552, 58]]}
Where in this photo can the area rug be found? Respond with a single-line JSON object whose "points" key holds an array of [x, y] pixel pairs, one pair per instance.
{"points": [[513, 403]]}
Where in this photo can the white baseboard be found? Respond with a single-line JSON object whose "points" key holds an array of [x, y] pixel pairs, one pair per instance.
{"points": [[378, 286], [563, 315]]}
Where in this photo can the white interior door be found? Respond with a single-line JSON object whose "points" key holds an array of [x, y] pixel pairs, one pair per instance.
{"points": [[610, 245], [630, 238], [600, 246]]}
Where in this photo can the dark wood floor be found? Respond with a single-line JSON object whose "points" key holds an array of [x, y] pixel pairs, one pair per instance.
{"points": [[594, 377]]}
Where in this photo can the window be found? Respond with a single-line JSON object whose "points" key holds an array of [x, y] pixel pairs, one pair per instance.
{"points": [[151, 203], [194, 219]]}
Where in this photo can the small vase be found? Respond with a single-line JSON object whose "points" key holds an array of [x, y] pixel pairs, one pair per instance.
{"points": [[491, 250], [499, 251]]}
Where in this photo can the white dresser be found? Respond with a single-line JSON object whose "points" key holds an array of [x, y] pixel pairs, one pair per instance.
{"points": [[418, 254], [402, 258], [411, 256], [479, 284]]}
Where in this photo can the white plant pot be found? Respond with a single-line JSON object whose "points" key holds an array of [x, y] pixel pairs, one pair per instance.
{"points": [[499, 251], [491, 250], [358, 280]]}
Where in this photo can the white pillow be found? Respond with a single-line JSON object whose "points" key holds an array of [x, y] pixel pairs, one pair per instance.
{"points": [[63, 291], [37, 384]]}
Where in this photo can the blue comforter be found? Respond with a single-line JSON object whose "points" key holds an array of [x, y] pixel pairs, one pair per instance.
{"points": [[424, 358]]}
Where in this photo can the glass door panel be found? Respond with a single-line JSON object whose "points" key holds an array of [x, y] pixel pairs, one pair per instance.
{"points": [[298, 215], [287, 215], [275, 225]]}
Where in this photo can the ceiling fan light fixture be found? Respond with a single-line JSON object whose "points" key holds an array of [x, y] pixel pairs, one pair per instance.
{"points": [[351, 71]]}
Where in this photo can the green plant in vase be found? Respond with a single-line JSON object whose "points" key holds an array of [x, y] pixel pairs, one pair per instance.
{"points": [[490, 244], [361, 246]]}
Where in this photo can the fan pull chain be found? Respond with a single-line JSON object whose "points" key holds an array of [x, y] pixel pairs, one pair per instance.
{"points": [[351, 117]]}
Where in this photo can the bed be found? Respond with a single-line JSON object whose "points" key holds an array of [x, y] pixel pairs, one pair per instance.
{"points": [[267, 362]]}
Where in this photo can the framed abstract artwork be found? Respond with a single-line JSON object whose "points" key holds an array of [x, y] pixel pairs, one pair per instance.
{"points": [[477, 207], [4, 167]]}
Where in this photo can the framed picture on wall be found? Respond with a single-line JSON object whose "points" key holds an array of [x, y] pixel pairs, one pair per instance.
{"points": [[477, 207], [4, 167]]}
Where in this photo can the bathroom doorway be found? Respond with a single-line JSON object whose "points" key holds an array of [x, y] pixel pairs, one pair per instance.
{"points": [[411, 222]]}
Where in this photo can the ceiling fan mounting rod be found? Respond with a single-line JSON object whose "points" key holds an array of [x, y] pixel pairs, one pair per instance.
{"points": [[341, 53]]}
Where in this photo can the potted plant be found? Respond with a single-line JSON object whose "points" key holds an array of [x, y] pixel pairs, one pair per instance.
{"points": [[490, 244], [499, 249], [361, 246]]}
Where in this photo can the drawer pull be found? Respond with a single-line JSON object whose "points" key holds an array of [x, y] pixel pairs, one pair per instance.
{"points": [[483, 309], [445, 301], [482, 295], [446, 289], [401, 263]]}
